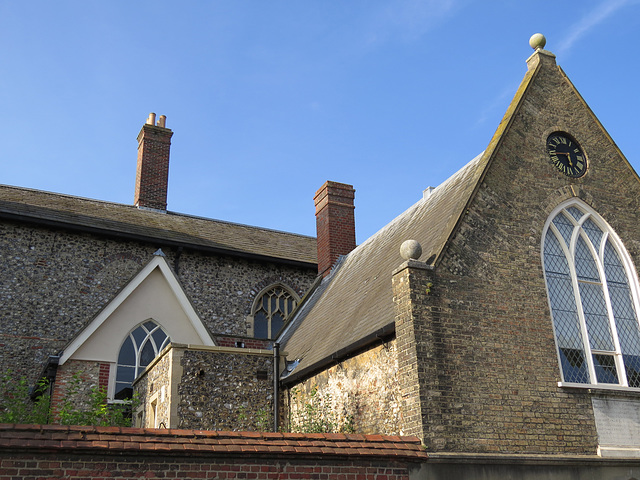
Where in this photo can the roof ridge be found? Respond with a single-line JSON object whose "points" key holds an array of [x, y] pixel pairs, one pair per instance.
{"points": [[430, 199], [133, 207]]}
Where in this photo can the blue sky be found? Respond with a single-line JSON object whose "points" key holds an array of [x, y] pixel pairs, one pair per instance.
{"points": [[268, 99]]}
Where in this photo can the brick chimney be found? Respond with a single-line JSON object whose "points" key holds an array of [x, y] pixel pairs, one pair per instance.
{"points": [[335, 223], [152, 176]]}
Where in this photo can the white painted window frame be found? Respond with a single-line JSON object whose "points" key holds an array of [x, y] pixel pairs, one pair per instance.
{"points": [[632, 278], [111, 390]]}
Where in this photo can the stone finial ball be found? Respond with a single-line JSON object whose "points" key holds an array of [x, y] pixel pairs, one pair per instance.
{"points": [[410, 250], [537, 40]]}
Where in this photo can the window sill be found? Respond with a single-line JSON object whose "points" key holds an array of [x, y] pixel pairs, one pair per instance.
{"points": [[589, 386]]}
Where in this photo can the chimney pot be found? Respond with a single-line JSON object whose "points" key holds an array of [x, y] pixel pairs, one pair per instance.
{"points": [[335, 223], [152, 119]]}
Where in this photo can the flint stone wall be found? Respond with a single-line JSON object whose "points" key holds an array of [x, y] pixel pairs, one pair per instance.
{"points": [[54, 282], [210, 388]]}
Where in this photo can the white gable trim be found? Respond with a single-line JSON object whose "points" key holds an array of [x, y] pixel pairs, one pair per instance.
{"points": [[161, 264]]}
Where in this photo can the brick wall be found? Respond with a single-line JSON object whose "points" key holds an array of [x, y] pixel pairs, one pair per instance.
{"points": [[74, 382], [30, 452], [417, 362], [103, 375]]}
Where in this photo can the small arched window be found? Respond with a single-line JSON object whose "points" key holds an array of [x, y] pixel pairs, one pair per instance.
{"points": [[271, 309], [140, 347], [592, 292]]}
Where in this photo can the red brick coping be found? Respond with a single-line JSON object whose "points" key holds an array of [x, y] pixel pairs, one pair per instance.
{"points": [[116, 440]]}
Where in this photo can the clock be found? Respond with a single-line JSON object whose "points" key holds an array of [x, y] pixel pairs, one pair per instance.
{"points": [[566, 154]]}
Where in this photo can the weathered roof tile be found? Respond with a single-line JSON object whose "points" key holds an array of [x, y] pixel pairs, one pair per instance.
{"points": [[359, 289], [169, 228]]}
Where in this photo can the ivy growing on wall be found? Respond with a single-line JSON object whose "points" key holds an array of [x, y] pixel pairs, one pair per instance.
{"points": [[316, 414]]}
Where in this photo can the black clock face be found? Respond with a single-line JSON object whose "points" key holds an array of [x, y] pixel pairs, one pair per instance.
{"points": [[566, 154]]}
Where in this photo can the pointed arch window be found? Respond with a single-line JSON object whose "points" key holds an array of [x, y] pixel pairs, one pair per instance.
{"points": [[271, 309], [593, 297], [139, 348]]}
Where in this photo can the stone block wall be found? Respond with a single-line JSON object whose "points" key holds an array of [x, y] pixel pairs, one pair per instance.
{"points": [[495, 387], [156, 391], [360, 394]]}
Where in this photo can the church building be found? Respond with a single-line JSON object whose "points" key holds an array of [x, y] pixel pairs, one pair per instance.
{"points": [[93, 291], [496, 319]]}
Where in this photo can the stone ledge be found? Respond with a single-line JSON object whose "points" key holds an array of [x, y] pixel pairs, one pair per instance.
{"points": [[527, 459], [412, 264]]}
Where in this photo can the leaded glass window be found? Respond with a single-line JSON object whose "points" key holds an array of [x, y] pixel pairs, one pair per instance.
{"points": [[140, 347], [592, 299], [271, 310]]}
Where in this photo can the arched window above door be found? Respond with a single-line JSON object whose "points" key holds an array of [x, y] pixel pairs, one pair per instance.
{"points": [[593, 294]]}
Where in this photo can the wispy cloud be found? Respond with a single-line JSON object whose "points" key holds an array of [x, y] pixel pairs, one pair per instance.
{"points": [[499, 103], [589, 21], [409, 20]]}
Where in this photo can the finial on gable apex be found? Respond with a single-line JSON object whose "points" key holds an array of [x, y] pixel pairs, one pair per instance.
{"points": [[537, 41], [159, 253]]}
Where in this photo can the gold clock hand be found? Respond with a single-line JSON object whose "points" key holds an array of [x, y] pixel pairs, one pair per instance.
{"points": [[568, 157]]}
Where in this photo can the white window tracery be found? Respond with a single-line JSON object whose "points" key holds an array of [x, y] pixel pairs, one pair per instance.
{"points": [[592, 290], [139, 348]]}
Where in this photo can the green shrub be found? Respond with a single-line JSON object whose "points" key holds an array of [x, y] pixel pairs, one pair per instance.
{"points": [[15, 404], [17, 407]]}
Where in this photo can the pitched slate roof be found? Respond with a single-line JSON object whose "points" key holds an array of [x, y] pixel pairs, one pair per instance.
{"points": [[356, 300], [167, 228], [354, 305], [120, 440]]}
